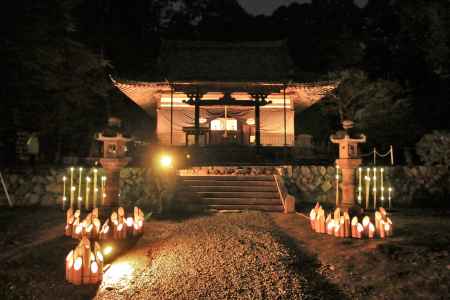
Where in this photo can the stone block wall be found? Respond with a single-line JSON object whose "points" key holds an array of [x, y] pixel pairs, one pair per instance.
{"points": [[143, 187], [154, 189], [412, 186]]}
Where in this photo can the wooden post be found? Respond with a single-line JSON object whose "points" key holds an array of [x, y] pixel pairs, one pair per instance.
{"points": [[197, 118], [257, 123]]}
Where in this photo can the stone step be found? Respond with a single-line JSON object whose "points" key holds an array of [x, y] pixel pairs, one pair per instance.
{"points": [[238, 194], [243, 188], [229, 177], [199, 182], [269, 208], [240, 201]]}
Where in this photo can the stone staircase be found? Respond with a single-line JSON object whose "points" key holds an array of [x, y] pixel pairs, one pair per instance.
{"points": [[229, 192]]}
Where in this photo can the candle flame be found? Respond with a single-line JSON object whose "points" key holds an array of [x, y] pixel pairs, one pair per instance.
{"points": [[129, 221], [78, 263], [94, 267]]}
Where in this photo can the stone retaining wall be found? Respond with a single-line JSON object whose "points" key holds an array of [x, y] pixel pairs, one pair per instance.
{"points": [[143, 187], [154, 189], [417, 185]]}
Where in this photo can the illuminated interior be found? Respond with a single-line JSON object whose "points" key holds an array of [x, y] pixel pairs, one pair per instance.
{"points": [[222, 123]]}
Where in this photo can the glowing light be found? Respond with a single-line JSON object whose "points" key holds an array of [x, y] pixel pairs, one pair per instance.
{"points": [[118, 271], [78, 263], [99, 256], [129, 221], [202, 120], [107, 250], [250, 121], [64, 178], [166, 161], [94, 267]]}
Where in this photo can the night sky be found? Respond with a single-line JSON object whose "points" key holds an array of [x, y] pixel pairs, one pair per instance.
{"points": [[266, 7]]}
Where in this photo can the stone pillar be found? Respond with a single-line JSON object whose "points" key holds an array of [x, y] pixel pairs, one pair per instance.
{"points": [[112, 169], [348, 168], [348, 161], [114, 159]]}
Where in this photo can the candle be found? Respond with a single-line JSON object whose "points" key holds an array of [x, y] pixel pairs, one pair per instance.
{"points": [[64, 193], [360, 186], [371, 230], [103, 189], [392, 155], [389, 196], [367, 178], [88, 189], [354, 225], [72, 188], [374, 188], [337, 185], [382, 186], [79, 188], [95, 187]]}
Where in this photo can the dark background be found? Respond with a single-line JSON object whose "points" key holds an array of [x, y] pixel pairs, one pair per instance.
{"points": [[56, 57]]}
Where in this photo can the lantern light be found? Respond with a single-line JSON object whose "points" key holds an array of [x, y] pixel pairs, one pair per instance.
{"points": [[166, 161]]}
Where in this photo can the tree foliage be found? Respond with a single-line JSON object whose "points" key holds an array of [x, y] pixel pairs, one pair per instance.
{"points": [[380, 108], [52, 80]]}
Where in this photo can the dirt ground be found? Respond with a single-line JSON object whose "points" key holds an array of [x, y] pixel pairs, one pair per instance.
{"points": [[247, 255]]}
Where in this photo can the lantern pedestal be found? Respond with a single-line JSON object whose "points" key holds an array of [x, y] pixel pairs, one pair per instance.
{"points": [[113, 160], [348, 168], [349, 160], [112, 167]]}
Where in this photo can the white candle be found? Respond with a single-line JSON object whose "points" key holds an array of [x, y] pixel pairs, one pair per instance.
{"points": [[382, 187], [367, 188], [374, 188], [337, 185], [64, 193], [88, 189], [389, 196], [360, 186], [72, 188], [79, 188], [103, 189], [95, 188]]}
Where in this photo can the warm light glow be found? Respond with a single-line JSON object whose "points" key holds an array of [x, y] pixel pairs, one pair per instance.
{"points": [[118, 271], [119, 227], [103, 178], [222, 123], [359, 227], [250, 121], [166, 161], [202, 120], [100, 255], [107, 250], [129, 221], [78, 229], [64, 178], [94, 267], [366, 221], [78, 263]]}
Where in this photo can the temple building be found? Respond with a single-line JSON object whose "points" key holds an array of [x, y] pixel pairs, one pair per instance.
{"points": [[215, 93]]}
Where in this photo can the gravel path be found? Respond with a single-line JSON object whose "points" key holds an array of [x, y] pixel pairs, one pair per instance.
{"points": [[222, 256]]}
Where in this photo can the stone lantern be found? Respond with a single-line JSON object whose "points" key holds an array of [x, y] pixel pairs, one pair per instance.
{"points": [[349, 160], [114, 158]]}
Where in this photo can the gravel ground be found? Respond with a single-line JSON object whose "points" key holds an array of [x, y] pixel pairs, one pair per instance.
{"points": [[222, 256]]}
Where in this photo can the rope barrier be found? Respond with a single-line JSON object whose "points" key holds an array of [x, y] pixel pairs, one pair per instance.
{"points": [[375, 153]]}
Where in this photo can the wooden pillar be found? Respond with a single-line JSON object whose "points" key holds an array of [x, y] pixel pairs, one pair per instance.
{"points": [[171, 115], [284, 119], [197, 119], [257, 123]]}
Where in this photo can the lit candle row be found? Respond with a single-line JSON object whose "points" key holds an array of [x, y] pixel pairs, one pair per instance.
{"points": [[368, 179], [88, 189]]}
